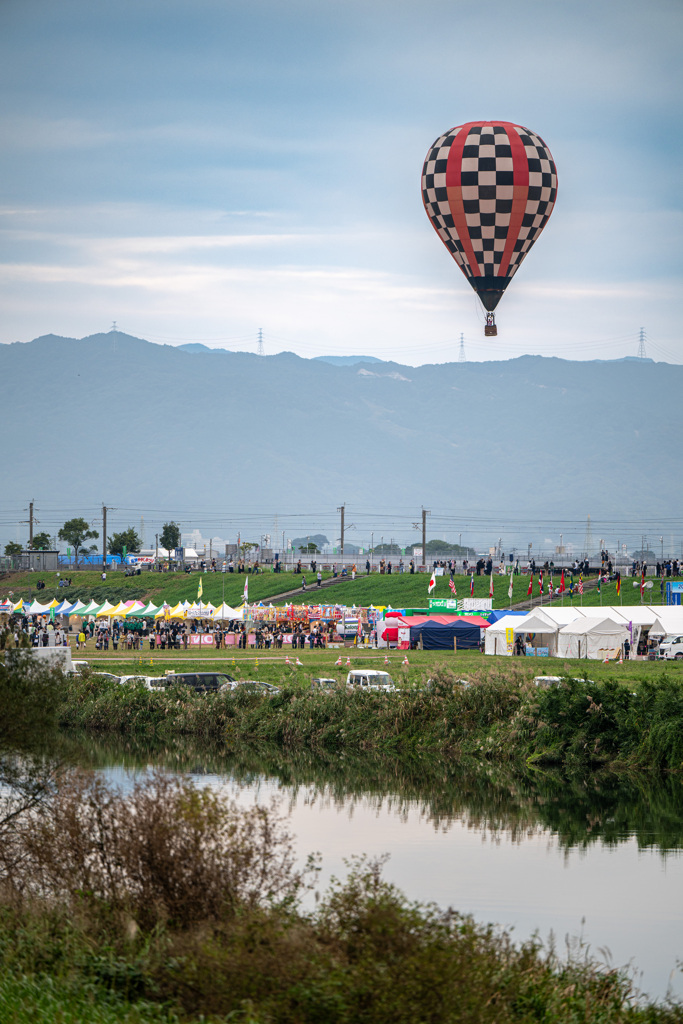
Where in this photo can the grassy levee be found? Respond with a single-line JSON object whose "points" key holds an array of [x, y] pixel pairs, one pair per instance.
{"points": [[502, 719], [400, 590]]}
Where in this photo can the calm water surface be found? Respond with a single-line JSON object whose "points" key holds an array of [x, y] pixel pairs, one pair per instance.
{"points": [[603, 866]]}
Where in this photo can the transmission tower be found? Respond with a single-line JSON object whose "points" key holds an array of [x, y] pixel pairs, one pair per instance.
{"points": [[113, 327], [641, 344], [260, 351], [588, 539], [461, 357]]}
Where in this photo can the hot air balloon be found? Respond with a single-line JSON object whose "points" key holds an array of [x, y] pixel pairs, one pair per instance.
{"points": [[488, 188]]}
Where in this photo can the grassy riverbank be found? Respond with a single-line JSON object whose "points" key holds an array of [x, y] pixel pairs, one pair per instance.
{"points": [[503, 718], [169, 904], [399, 590]]}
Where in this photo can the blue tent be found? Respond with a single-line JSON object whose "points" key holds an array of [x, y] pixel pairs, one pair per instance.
{"points": [[500, 613], [437, 636]]}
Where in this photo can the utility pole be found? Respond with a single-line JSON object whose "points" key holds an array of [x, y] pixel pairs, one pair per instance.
{"points": [[156, 548], [104, 537], [30, 522], [425, 513], [341, 509]]}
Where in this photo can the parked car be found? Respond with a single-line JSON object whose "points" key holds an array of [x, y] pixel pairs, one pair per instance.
{"points": [[672, 647], [369, 679], [323, 685], [201, 682], [149, 682], [251, 684]]}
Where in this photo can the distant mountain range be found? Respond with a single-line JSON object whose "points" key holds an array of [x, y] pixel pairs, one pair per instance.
{"points": [[195, 346], [116, 418]]}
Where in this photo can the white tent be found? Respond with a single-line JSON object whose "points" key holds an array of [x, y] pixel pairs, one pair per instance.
{"points": [[563, 616], [495, 637], [597, 638], [225, 613], [669, 620], [544, 630]]}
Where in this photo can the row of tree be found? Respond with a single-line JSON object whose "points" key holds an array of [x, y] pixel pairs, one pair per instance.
{"points": [[77, 532]]}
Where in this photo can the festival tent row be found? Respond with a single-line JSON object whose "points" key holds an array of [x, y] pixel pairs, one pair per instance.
{"points": [[596, 636]]}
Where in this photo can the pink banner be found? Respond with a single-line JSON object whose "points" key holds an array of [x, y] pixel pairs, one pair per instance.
{"points": [[201, 639]]}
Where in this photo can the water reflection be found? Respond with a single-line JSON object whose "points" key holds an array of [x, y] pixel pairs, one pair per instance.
{"points": [[578, 810]]}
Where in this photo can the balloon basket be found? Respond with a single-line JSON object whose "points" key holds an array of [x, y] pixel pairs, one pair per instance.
{"points": [[490, 331]]}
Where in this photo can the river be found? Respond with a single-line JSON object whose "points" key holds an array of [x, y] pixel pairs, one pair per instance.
{"points": [[597, 864]]}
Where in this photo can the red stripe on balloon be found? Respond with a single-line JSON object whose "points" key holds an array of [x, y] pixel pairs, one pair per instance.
{"points": [[454, 192], [520, 195]]}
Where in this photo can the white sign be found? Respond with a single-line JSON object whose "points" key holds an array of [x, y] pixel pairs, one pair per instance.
{"points": [[417, 554], [476, 604], [438, 571]]}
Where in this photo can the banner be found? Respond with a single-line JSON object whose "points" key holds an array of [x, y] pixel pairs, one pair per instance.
{"points": [[201, 639], [446, 604], [509, 639], [477, 604]]}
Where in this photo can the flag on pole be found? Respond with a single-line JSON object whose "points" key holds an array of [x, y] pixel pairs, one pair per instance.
{"points": [[200, 588], [540, 582], [432, 583], [618, 583], [581, 584], [246, 590], [550, 585], [472, 585], [530, 588], [510, 587], [491, 585], [562, 585], [642, 584], [451, 584]]}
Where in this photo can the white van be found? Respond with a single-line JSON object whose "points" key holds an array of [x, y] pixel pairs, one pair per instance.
{"points": [[369, 679], [671, 647]]}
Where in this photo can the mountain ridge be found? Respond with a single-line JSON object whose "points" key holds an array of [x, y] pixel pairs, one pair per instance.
{"points": [[155, 423]]}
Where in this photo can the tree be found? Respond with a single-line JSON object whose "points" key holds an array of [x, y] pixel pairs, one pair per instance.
{"points": [[42, 541], [169, 537], [387, 549], [309, 549], [76, 532], [13, 548], [128, 539], [247, 547]]}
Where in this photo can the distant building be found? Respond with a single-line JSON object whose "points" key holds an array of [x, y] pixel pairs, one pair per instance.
{"points": [[41, 561]]}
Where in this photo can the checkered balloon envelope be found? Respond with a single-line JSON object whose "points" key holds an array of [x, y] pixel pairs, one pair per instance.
{"points": [[488, 188]]}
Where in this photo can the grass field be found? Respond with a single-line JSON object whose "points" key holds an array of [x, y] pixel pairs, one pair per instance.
{"points": [[397, 590], [270, 666]]}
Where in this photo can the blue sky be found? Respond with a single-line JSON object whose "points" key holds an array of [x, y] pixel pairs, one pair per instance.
{"points": [[199, 169]]}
